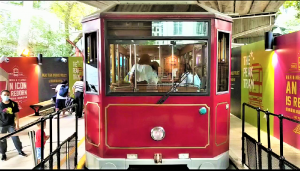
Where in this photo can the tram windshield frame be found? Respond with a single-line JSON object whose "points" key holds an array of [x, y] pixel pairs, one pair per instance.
{"points": [[113, 39]]}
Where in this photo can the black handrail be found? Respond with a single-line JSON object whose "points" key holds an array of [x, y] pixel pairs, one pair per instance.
{"points": [[42, 120], [57, 150], [281, 118], [34, 123]]}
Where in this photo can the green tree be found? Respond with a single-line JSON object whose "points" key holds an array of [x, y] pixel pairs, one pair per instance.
{"points": [[291, 24], [71, 13], [47, 42], [41, 38], [295, 4], [8, 35]]}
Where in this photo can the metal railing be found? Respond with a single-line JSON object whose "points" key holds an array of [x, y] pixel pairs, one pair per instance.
{"points": [[65, 148], [57, 151], [254, 154]]}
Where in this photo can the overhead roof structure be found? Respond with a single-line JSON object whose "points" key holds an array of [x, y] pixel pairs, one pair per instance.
{"points": [[159, 7], [251, 18]]}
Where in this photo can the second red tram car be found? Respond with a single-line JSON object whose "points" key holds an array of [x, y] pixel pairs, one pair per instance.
{"points": [[180, 118]]}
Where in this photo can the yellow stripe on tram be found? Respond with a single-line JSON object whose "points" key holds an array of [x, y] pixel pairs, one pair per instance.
{"points": [[62, 161]]}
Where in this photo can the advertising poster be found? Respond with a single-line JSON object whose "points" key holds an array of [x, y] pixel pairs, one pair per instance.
{"points": [[75, 71], [236, 82], [287, 87], [20, 76], [257, 82], [52, 72]]}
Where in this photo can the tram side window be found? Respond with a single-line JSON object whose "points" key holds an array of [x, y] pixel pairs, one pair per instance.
{"points": [[91, 62], [223, 62]]}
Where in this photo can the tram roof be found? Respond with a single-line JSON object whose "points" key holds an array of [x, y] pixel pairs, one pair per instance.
{"points": [[157, 7]]}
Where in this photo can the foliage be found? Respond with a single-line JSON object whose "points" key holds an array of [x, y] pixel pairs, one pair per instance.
{"points": [[45, 41], [71, 12], [295, 4], [42, 38], [8, 51], [291, 24], [16, 2], [8, 35], [37, 4]]}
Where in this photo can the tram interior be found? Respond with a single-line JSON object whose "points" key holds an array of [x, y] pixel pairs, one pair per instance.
{"points": [[170, 59]]}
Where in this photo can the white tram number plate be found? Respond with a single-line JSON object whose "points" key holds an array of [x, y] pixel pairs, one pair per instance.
{"points": [[131, 156], [183, 156]]}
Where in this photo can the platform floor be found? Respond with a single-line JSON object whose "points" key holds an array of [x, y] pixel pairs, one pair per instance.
{"points": [[235, 149], [67, 128]]}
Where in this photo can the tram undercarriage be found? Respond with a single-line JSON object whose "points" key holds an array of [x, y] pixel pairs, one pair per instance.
{"points": [[219, 162]]}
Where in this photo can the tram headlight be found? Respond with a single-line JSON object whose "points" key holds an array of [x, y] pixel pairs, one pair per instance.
{"points": [[158, 133]]}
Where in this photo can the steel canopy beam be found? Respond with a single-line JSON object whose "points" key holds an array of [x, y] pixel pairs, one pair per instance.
{"points": [[251, 31]]}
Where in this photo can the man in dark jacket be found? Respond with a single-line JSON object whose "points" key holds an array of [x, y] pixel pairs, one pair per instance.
{"points": [[8, 116]]}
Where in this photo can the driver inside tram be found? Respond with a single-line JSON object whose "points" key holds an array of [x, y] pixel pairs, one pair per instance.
{"points": [[144, 72]]}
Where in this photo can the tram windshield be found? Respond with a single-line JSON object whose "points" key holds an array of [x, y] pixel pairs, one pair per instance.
{"points": [[156, 65]]}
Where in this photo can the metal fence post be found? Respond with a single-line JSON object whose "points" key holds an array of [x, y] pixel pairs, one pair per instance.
{"points": [[76, 136], [269, 142], [243, 136], [32, 142], [51, 141], [42, 142], [68, 155], [281, 165], [258, 138], [58, 143]]}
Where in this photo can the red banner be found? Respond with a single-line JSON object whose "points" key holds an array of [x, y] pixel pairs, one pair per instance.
{"points": [[20, 76]]}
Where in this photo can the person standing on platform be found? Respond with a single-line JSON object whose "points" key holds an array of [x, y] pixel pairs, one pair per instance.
{"points": [[78, 92], [9, 122], [62, 92]]}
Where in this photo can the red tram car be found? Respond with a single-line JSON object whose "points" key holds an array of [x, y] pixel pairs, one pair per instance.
{"points": [[183, 117]]}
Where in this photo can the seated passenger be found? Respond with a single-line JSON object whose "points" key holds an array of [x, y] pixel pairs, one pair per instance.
{"points": [[154, 66], [144, 71], [188, 80]]}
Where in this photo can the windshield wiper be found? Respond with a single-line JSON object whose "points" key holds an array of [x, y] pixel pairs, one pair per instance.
{"points": [[174, 86]]}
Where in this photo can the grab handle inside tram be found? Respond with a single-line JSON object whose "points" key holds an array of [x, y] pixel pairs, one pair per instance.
{"points": [[174, 86]]}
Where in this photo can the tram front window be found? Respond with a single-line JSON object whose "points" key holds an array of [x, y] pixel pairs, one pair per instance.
{"points": [[155, 65]]}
